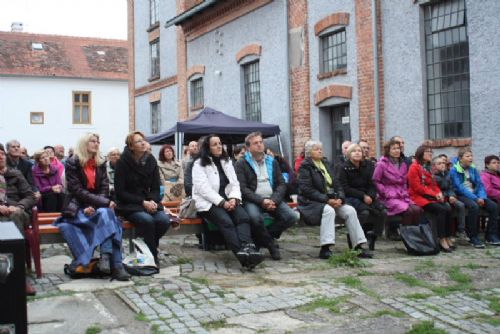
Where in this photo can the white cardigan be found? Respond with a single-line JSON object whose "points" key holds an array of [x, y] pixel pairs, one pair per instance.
{"points": [[206, 184]]}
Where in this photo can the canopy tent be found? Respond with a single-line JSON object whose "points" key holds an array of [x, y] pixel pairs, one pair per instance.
{"points": [[232, 130]]}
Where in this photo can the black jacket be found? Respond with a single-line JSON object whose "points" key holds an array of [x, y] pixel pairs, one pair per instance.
{"points": [[78, 196], [248, 183], [136, 182], [444, 182], [18, 190], [312, 190], [25, 167], [357, 182]]}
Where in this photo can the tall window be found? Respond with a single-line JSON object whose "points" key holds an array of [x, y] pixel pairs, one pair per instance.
{"points": [[197, 93], [447, 60], [155, 117], [153, 11], [81, 108], [333, 51], [252, 91], [155, 58]]}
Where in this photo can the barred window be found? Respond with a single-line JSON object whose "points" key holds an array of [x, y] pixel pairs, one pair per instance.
{"points": [[197, 93], [447, 60], [252, 91], [155, 117], [333, 51], [153, 11], [155, 58]]}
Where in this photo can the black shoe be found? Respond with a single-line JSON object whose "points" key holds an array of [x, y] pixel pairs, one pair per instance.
{"points": [[254, 257], [274, 251], [371, 237], [325, 253], [349, 243], [445, 250], [363, 254], [120, 274], [105, 263]]}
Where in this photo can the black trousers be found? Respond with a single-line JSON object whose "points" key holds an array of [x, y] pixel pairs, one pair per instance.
{"points": [[234, 225], [52, 202], [442, 211]]}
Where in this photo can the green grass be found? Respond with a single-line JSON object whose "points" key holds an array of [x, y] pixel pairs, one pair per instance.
{"points": [[184, 260], [199, 280], [425, 265], [331, 304], [396, 314], [349, 258], [425, 327], [494, 303], [350, 281], [50, 295], [213, 325], [364, 273], [410, 280], [154, 290], [418, 296], [456, 275], [219, 293], [141, 317], [472, 266], [494, 321], [168, 294], [94, 329]]}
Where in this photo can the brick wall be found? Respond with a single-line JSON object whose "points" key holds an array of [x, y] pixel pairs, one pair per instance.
{"points": [[300, 82], [182, 103], [364, 45]]}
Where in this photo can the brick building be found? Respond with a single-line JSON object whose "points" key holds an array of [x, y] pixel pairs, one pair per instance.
{"points": [[53, 89], [315, 68]]}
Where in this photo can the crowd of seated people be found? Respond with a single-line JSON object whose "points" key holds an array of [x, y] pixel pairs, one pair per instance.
{"points": [[239, 193]]}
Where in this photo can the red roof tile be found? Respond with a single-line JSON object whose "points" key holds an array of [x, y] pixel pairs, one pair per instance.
{"points": [[63, 56]]}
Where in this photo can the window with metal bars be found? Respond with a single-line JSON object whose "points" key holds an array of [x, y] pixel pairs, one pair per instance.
{"points": [[447, 61], [333, 51], [81, 108], [197, 93], [153, 11], [251, 82], [155, 58], [155, 117]]}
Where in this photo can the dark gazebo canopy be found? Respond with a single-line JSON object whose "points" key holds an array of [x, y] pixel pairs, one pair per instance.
{"points": [[232, 130]]}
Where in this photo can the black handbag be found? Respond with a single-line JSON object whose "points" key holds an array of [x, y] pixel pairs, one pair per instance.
{"points": [[419, 240]]}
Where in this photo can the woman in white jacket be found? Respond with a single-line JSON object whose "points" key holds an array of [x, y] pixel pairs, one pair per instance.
{"points": [[216, 192]]}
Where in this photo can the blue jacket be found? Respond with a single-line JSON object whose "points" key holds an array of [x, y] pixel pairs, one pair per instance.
{"points": [[457, 176]]}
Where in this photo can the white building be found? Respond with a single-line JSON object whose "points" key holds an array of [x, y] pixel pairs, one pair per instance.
{"points": [[54, 88]]}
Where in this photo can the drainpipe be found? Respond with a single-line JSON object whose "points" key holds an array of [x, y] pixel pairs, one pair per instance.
{"points": [[289, 95], [376, 91]]}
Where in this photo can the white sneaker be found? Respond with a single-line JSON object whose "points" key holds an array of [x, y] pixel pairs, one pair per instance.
{"points": [[462, 237]]}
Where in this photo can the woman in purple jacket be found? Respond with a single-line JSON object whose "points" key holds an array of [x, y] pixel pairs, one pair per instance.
{"points": [[491, 177], [48, 181], [390, 178]]}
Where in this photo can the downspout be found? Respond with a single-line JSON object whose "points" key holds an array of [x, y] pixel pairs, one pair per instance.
{"points": [[289, 95], [376, 86]]}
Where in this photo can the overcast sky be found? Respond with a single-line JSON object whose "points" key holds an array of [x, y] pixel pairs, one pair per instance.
{"points": [[90, 18]]}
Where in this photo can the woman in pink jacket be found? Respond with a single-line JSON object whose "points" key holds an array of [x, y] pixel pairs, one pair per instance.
{"points": [[390, 178], [491, 177]]}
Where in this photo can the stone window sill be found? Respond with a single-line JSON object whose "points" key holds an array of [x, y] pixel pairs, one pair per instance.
{"points": [[153, 27], [451, 142], [156, 77], [326, 75]]}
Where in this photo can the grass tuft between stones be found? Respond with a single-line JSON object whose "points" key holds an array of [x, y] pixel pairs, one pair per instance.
{"points": [[349, 258], [381, 313], [213, 325], [141, 317], [425, 327], [331, 304], [94, 329]]}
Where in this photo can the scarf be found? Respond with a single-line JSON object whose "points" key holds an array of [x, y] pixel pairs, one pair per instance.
{"points": [[90, 170]]}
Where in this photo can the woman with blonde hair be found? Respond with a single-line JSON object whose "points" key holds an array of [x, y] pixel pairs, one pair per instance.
{"points": [[88, 218]]}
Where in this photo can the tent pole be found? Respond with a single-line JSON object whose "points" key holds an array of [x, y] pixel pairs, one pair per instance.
{"points": [[278, 137]]}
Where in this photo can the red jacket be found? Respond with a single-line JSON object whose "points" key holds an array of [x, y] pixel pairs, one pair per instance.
{"points": [[423, 188]]}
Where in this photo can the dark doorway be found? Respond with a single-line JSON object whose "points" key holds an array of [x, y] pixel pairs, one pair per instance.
{"points": [[341, 128]]}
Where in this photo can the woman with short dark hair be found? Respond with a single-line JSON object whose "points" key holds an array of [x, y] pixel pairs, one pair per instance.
{"points": [[217, 195], [491, 177], [425, 192], [171, 174], [48, 182]]}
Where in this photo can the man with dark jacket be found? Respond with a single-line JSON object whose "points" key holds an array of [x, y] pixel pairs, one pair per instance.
{"points": [[15, 161], [263, 189], [16, 200]]}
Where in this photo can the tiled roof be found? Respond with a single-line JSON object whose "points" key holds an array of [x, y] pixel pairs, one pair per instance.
{"points": [[63, 56]]}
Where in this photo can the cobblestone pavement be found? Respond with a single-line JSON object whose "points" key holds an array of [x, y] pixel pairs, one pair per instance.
{"points": [[208, 292]]}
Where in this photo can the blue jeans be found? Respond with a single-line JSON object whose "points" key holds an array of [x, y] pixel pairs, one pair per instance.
{"points": [[284, 217], [151, 227], [473, 213]]}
